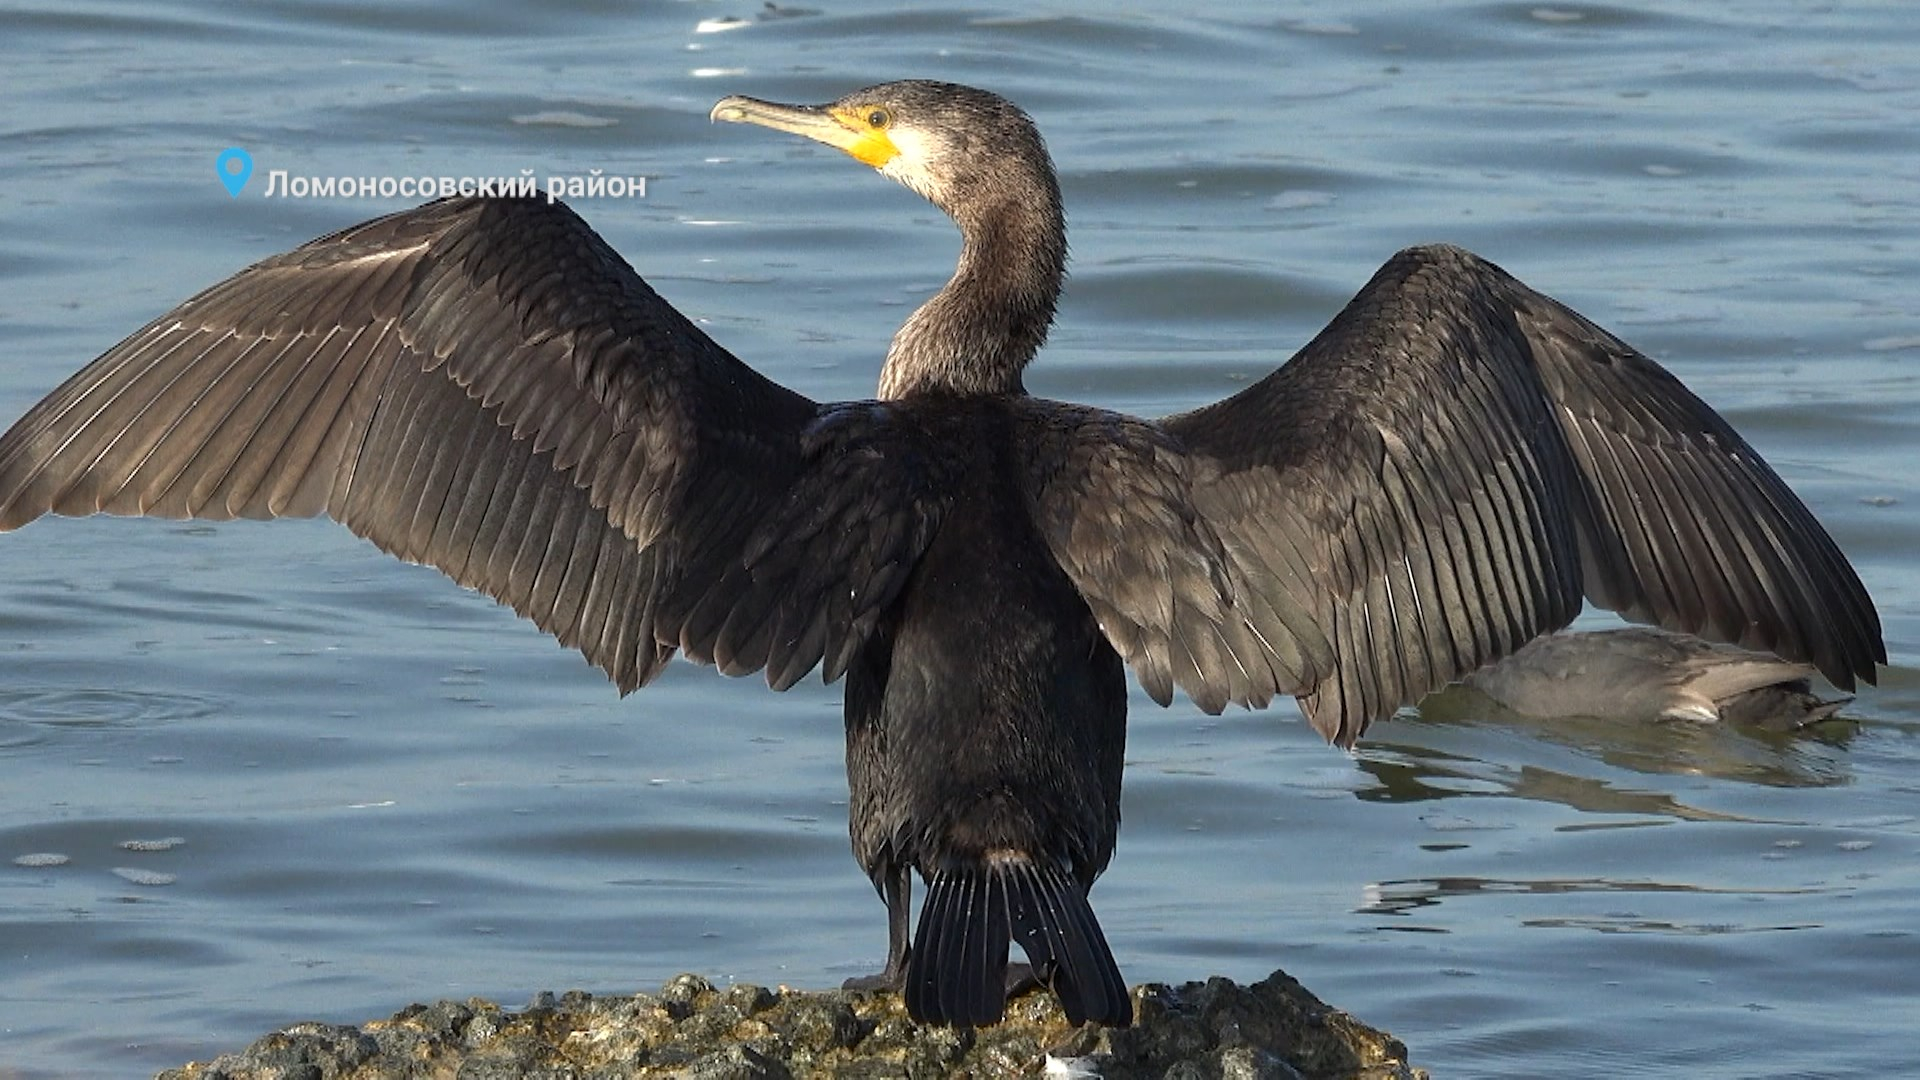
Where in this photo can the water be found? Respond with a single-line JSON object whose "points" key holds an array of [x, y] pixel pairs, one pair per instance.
{"points": [[256, 774]]}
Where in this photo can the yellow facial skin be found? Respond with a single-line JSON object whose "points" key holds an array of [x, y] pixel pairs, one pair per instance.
{"points": [[861, 132]]}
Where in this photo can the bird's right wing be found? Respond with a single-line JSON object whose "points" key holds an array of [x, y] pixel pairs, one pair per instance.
{"points": [[483, 385]]}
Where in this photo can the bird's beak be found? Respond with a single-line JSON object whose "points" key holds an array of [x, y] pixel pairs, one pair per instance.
{"points": [[847, 133]]}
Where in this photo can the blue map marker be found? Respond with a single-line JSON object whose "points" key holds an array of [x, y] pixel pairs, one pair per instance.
{"points": [[235, 167]]}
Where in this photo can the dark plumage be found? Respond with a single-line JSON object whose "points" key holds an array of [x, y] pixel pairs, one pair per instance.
{"points": [[1437, 478]]}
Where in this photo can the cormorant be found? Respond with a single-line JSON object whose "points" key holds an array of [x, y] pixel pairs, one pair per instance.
{"points": [[483, 385]]}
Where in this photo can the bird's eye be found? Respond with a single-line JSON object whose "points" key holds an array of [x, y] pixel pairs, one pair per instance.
{"points": [[879, 118]]}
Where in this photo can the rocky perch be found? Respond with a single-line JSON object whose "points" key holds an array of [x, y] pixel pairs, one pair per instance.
{"points": [[1199, 1031]]}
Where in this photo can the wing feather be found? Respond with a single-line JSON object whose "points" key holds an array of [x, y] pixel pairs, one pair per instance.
{"points": [[1628, 422], [1112, 497], [483, 385], [1438, 477]]}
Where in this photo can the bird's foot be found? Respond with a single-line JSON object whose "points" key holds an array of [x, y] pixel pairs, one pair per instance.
{"points": [[883, 980], [893, 977]]}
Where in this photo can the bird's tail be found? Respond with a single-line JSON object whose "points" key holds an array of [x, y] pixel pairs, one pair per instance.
{"points": [[957, 968]]}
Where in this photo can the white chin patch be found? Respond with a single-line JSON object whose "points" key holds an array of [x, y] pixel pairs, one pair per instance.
{"points": [[909, 165]]}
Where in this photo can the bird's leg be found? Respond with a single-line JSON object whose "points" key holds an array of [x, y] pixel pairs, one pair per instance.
{"points": [[897, 890]]}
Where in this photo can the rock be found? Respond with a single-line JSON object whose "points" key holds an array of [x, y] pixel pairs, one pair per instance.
{"points": [[1641, 674], [1216, 1030]]}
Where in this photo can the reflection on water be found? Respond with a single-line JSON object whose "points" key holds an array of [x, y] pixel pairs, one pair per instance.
{"points": [[1414, 774], [1811, 757], [1660, 926], [1404, 897]]}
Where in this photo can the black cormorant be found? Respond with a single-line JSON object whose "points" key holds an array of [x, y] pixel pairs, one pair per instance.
{"points": [[483, 385]]}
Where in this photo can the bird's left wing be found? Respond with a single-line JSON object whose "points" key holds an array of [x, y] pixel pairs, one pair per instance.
{"points": [[1445, 469], [1433, 481]]}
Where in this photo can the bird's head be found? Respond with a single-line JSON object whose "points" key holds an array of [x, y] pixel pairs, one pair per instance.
{"points": [[962, 148], [976, 156]]}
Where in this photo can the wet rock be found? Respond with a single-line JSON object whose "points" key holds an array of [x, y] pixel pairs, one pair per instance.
{"points": [[1215, 1030]]}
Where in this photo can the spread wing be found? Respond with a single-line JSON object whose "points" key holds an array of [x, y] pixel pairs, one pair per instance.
{"points": [[1435, 480], [1113, 499], [484, 386]]}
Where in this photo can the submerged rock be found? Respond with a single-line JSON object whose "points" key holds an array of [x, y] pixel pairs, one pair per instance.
{"points": [[1642, 673], [1200, 1031]]}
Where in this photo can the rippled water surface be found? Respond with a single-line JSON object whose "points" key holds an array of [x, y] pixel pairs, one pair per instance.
{"points": [[254, 774]]}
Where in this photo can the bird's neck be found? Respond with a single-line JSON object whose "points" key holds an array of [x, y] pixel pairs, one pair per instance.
{"points": [[976, 335]]}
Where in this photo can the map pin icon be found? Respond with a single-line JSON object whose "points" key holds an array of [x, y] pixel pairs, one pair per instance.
{"points": [[235, 167]]}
